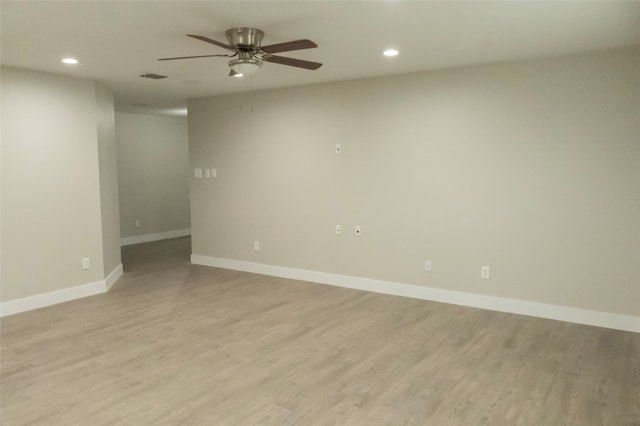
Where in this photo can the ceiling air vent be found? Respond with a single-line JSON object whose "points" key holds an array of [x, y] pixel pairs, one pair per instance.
{"points": [[153, 76]]}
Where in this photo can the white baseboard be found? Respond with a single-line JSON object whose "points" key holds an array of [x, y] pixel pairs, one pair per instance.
{"points": [[59, 296], [137, 239], [113, 277], [515, 306]]}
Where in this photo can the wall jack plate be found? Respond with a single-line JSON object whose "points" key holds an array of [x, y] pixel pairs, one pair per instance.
{"points": [[484, 272]]}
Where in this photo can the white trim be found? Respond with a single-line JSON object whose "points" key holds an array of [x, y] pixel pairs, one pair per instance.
{"points": [[113, 277], [59, 296], [54, 297], [137, 239], [501, 304]]}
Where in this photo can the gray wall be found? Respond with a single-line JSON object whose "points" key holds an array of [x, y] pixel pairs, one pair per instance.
{"points": [[153, 173], [532, 168], [52, 215]]}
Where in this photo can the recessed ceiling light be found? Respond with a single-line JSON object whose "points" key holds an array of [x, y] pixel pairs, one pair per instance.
{"points": [[70, 61], [390, 52]]}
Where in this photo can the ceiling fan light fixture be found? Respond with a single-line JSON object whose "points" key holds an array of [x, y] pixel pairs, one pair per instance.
{"points": [[245, 66]]}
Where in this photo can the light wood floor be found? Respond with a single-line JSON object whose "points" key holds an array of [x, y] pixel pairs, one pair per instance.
{"points": [[175, 344]]}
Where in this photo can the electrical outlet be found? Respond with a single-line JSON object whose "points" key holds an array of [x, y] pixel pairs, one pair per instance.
{"points": [[137, 223], [358, 230], [484, 272], [338, 230], [207, 173], [214, 173], [256, 245], [86, 263], [427, 265], [197, 173]]}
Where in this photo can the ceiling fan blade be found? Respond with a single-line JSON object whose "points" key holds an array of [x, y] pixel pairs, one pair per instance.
{"points": [[289, 46], [208, 40], [293, 62], [191, 57]]}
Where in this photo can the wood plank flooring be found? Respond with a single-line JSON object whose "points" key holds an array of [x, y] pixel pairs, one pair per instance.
{"points": [[176, 344]]}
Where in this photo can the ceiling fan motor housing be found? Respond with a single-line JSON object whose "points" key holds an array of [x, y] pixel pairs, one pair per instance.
{"points": [[243, 37]]}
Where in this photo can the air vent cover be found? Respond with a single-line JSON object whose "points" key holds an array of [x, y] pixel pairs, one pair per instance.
{"points": [[153, 76]]}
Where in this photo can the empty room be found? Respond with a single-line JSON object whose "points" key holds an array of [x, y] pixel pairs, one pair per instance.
{"points": [[320, 213]]}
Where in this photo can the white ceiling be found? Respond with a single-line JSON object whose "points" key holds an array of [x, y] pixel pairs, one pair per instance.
{"points": [[116, 41]]}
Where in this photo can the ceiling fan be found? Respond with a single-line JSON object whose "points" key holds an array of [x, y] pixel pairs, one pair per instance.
{"points": [[249, 54]]}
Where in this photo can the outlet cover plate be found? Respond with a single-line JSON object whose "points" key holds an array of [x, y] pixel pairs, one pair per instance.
{"points": [[427, 265], [485, 272]]}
